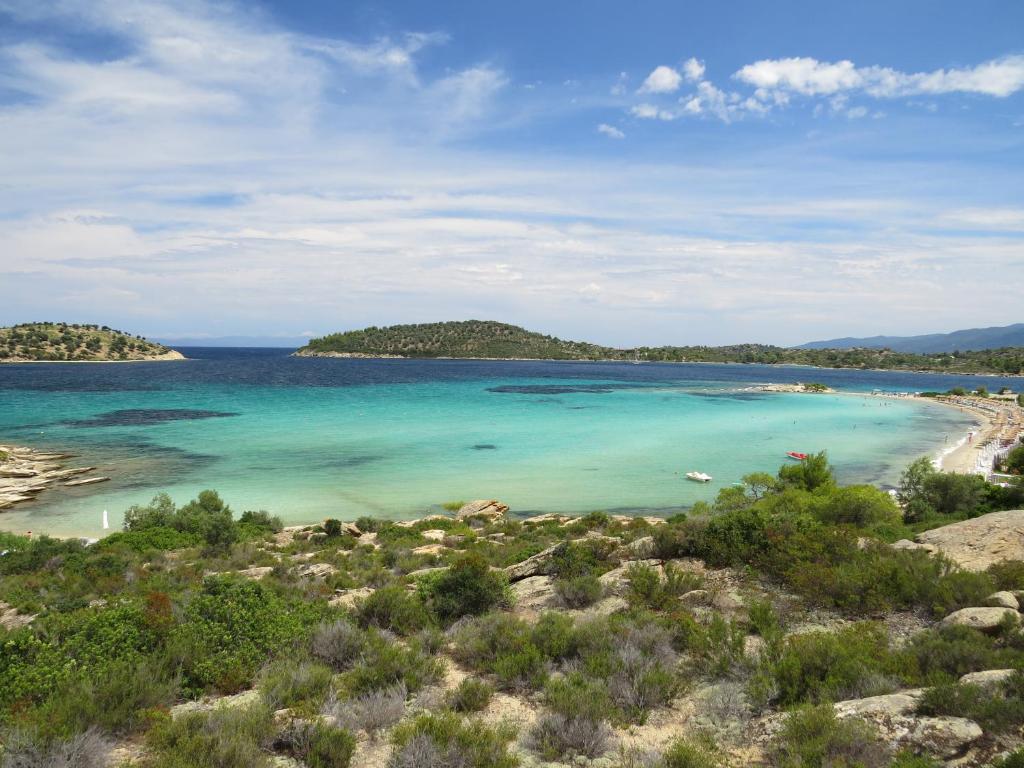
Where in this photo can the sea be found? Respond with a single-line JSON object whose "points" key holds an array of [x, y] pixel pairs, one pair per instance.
{"points": [[311, 438]]}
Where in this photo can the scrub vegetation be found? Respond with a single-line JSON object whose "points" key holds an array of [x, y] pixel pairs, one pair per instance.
{"points": [[208, 639]]}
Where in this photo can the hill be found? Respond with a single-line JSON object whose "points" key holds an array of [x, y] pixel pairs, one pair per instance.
{"points": [[55, 342], [468, 338], [968, 340], [493, 340]]}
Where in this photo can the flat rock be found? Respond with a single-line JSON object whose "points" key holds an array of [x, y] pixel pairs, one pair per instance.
{"points": [[347, 598], [489, 508], [434, 534], [534, 593], [978, 543], [429, 549], [943, 737], [984, 619], [11, 619], [988, 678], [206, 704], [1003, 599], [85, 481], [257, 572], [315, 570], [889, 705], [908, 544]]}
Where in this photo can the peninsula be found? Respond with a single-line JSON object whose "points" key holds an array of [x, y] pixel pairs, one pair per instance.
{"points": [[73, 342], [493, 340]]}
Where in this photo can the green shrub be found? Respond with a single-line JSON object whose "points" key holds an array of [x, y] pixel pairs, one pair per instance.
{"points": [[1007, 574], [579, 591], [690, 753], [386, 664], [467, 588], [318, 745], [653, 591], [393, 608], [862, 506], [944, 653], [850, 663], [338, 644], [223, 738], [577, 723], [286, 683], [813, 736], [369, 524], [444, 739], [997, 711], [1016, 758], [471, 695]]}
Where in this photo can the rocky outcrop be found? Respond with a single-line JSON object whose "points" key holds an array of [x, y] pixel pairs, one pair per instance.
{"points": [[534, 593], [11, 619], [537, 565], [989, 678], [978, 543], [25, 473], [983, 619], [1003, 599], [489, 508], [893, 715]]}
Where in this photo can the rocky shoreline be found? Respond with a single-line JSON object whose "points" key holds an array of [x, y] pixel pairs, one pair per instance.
{"points": [[26, 472]]}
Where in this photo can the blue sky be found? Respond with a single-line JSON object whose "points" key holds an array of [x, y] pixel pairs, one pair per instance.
{"points": [[653, 172]]}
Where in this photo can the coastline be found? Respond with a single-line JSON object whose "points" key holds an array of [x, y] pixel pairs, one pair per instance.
{"points": [[172, 355], [803, 366]]}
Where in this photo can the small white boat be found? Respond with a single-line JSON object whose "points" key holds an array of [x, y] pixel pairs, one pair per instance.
{"points": [[698, 477]]}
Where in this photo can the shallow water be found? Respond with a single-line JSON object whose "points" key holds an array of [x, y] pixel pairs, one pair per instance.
{"points": [[312, 438]]}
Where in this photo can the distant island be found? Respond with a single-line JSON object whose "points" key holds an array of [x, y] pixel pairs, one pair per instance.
{"points": [[74, 342], [493, 340], [969, 339]]}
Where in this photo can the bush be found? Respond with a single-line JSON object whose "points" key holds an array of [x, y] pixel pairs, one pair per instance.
{"points": [[25, 749], [862, 506], [1016, 758], [443, 740], [318, 745], [577, 724], [370, 711], [997, 711], [393, 608], [850, 663], [579, 591], [1008, 574], [222, 738], [286, 683], [813, 736], [941, 653], [467, 588], [386, 664], [690, 753], [471, 695], [657, 593], [339, 644]]}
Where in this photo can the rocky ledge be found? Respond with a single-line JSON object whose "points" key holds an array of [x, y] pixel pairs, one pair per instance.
{"points": [[25, 473]]}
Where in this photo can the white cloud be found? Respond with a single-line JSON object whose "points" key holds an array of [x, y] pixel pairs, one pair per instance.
{"points": [[693, 69], [810, 77], [651, 112], [610, 131], [662, 80]]}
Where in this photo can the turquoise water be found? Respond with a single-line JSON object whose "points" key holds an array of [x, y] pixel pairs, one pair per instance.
{"points": [[396, 442]]}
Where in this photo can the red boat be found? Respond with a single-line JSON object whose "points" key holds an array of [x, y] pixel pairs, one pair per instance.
{"points": [[796, 455]]}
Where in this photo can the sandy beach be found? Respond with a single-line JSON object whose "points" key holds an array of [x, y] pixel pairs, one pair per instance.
{"points": [[1000, 423]]}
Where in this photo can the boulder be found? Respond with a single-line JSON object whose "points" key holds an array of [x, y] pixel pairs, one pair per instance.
{"points": [[489, 508], [640, 549], [347, 598], [978, 543], [537, 565], [434, 534], [887, 706], [1003, 599], [989, 678], [315, 570], [534, 593], [943, 737], [695, 597], [984, 619]]}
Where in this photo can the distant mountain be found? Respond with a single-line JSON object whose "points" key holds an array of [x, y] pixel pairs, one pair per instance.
{"points": [[969, 340], [285, 342], [492, 340]]}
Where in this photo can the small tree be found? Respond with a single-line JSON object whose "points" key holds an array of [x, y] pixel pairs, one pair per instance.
{"points": [[810, 474]]}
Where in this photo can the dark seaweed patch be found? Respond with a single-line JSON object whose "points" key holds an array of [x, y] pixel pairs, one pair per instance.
{"points": [[143, 417], [485, 447], [553, 389], [740, 396]]}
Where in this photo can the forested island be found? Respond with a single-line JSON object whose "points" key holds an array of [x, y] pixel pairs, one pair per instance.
{"points": [[75, 342], [494, 340], [792, 622]]}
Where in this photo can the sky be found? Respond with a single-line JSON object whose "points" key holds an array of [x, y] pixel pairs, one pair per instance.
{"points": [[623, 173]]}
